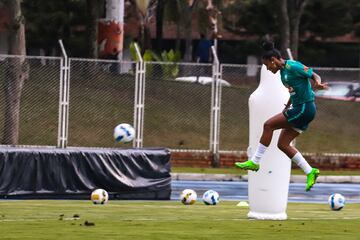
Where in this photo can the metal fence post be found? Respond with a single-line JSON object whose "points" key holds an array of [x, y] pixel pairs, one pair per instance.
{"points": [[215, 110], [63, 122], [139, 100]]}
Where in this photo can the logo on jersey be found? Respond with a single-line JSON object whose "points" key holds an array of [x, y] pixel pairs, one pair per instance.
{"points": [[306, 68], [285, 77]]}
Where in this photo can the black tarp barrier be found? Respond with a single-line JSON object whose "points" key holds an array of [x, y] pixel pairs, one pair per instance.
{"points": [[76, 172]]}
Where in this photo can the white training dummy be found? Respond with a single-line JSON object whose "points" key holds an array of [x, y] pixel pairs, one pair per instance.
{"points": [[269, 187]]}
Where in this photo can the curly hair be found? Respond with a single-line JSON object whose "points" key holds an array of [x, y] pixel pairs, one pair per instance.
{"points": [[270, 51]]}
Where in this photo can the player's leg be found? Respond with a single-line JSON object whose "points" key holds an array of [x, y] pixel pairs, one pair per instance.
{"points": [[286, 136], [276, 122]]}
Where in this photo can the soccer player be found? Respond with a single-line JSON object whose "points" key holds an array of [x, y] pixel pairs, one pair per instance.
{"points": [[297, 114]]}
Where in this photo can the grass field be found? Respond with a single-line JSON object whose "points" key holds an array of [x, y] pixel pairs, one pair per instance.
{"points": [[56, 219]]}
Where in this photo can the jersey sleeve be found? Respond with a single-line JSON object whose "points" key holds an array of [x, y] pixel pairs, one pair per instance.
{"points": [[302, 70]]}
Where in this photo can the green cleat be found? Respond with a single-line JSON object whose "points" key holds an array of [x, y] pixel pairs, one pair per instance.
{"points": [[248, 165], [311, 178]]}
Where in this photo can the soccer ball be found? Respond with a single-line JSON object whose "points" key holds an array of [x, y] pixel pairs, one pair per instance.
{"points": [[124, 133], [211, 197], [99, 196], [188, 197], [336, 201]]}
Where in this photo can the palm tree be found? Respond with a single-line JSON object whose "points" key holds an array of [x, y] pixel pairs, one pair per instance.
{"points": [[144, 10]]}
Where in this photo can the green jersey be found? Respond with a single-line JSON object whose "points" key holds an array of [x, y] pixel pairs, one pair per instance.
{"points": [[296, 77]]}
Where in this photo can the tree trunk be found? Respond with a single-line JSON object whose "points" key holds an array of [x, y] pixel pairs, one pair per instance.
{"points": [[188, 26], [142, 36], [144, 33], [295, 9], [93, 7], [16, 73], [179, 26], [159, 23], [295, 39], [284, 27], [178, 37], [188, 38]]}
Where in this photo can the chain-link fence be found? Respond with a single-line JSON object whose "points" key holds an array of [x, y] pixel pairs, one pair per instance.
{"points": [[101, 96], [29, 91], [177, 105], [234, 124], [336, 127]]}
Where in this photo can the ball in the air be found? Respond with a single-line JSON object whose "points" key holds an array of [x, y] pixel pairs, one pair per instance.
{"points": [[124, 132]]}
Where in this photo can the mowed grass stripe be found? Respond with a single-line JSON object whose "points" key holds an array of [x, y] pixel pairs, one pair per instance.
{"points": [[54, 219]]}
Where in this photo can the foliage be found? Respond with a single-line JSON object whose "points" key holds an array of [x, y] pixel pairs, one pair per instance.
{"points": [[133, 52], [171, 13], [328, 18], [321, 18], [355, 13], [169, 70], [250, 17], [148, 55], [170, 56], [165, 56], [48, 21]]}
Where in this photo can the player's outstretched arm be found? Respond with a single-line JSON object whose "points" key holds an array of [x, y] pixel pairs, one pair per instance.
{"points": [[318, 85]]}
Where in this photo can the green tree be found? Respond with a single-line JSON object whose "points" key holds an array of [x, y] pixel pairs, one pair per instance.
{"points": [[288, 20], [250, 17], [265, 17], [327, 19], [355, 13], [324, 20], [50, 20]]}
